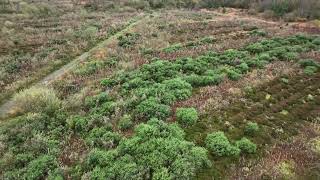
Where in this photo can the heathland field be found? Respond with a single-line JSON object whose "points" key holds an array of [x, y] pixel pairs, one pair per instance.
{"points": [[137, 91]]}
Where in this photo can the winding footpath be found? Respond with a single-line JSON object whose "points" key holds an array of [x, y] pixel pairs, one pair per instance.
{"points": [[9, 105]]}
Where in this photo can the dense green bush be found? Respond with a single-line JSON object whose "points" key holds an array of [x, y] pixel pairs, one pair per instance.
{"points": [[125, 122], [219, 145], [103, 138], [38, 168], [187, 116], [37, 99], [308, 62], [251, 128], [78, 124], [233, 74], [155, 147], [105, 109], [246, 146], [152, 108], [197, 81], [108, 82], [310, 70]]}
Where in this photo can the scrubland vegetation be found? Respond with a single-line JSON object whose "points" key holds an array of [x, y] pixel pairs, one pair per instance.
{"points": [[163, 90]]}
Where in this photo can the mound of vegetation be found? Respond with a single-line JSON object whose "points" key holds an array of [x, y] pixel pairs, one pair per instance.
{"points": [[156, 151]]}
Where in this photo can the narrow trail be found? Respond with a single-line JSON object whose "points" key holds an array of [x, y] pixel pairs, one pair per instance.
{"points": [[8, 106]]}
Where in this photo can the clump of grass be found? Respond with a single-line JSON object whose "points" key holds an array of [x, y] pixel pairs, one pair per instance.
{"points": [[37, 99]]}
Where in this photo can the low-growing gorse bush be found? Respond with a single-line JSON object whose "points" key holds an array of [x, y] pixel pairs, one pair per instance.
{"points": [[125, 122], [187, 116], [246, 146], [219, 145]]}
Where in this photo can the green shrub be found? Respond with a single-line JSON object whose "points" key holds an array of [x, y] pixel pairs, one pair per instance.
{"points": [[105, 109], [219, 145], [251, 128], [243, 67], [316, 41], [56, 174], [187, 116], [162, 174], [90, 67], [310, 70], [173, 48], [179, 88], [256, 48], [37, 99], [190, 65], [38, 168], [151, 108], [233, 75], [125, 122], [197, 81], [154, 146], [78, 124], [108, 82], [103, 138], [308, 62], [97, 100], [207, 40], [89, 33], [264, 57], [128, 40], [258, 32], [246, 146]]}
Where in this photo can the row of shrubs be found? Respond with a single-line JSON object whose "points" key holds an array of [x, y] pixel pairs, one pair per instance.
{"points": [[219, 145], [151, 89]]}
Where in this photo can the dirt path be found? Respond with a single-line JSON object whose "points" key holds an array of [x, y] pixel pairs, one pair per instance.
{"points": [[8, 107]]}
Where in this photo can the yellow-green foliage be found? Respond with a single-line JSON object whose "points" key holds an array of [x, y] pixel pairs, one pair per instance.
{"points": [[315, 145], [286, 169], [37, 99]]}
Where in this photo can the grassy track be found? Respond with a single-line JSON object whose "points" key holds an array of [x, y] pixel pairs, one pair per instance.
{"points": [[6, 107]]}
